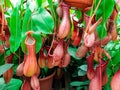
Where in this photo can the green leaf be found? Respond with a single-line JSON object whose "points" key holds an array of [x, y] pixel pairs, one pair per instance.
{"points": [[72, 52], [7, 3], [39, 2], [45, 70], [15, 31], [79, 88], [38, 39], [23, 46], [116, 58], [2, 59], [42, 21], [78, 83], [110, 45], [78, 14], [107, 87], [26, 21], [105, 10], [8, 52], [14, 84], [102, 32], [52, 10], [117, 45], [112, 53], [109, 71], [83, 67], [81, 73], [4, 68]]}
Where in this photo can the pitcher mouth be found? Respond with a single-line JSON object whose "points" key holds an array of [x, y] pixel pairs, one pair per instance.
{"points": [[30, 40]]}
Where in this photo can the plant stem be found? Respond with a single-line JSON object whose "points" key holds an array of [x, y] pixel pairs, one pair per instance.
{"points": [[89, 23]]}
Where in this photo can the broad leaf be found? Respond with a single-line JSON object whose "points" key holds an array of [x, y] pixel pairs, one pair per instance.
{"points": [[83, 67], [79, 88], [26, 21], [14, 84], [112, 53], [116, 59], [52, 10], [2, 59], [15, 30], [4, 68], [39, 2], [72, 52], [23, 46], [81, 73], [78, 83], [7, 3], [109, 72], [42, 21], [110, 45], [101, 29], [38, 39], [78, 13], [105, 10]]}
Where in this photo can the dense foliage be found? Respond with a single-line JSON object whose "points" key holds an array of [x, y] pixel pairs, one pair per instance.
{"points": [[40, 36]]}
